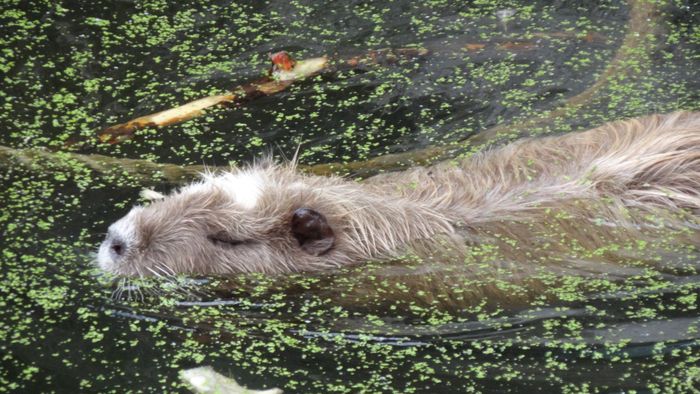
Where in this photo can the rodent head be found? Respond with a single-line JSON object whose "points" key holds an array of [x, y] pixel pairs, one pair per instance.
{"points": [[266, 218], [252, 220]]}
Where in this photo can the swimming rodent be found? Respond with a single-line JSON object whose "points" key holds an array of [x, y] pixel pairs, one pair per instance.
{"points": [[270, 218]]}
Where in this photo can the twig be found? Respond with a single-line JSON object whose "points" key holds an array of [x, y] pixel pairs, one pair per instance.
{"points": [[284, 72]]}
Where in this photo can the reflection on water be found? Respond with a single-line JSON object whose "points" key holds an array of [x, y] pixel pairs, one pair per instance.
{"points": [[73, 68]]}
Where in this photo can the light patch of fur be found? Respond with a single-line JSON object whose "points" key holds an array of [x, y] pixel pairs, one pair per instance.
{"points": [[151, 195], [244, 187]]}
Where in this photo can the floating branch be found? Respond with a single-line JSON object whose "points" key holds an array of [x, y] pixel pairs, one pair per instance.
{"points": [[385, 56], [284, 71]]}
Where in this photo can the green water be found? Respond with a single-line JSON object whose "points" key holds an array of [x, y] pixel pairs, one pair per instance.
{"points": [[70, 69]]}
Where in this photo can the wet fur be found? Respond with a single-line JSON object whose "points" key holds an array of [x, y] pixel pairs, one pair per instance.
{"points": [[615, 174]]}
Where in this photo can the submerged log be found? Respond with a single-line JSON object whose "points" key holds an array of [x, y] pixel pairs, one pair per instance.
{"points": [[643, 22], [142, 171]]}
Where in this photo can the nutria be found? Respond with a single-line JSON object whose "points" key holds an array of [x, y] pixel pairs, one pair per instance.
{"points": [[270, 218]]}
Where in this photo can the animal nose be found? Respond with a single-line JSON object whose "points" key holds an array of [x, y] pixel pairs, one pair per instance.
{"points": [[117, 247]]}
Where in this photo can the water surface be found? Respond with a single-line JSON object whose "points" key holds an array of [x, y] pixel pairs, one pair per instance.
{"points": [[70, 69]]}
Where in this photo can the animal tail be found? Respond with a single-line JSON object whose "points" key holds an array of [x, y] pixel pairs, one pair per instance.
{"points": [[654, 159]]}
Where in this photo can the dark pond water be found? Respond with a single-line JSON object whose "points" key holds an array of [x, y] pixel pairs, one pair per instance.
{"points": [[496, 70]]}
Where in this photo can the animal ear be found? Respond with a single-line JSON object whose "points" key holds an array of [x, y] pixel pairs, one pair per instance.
{"points": [[312, 230]]}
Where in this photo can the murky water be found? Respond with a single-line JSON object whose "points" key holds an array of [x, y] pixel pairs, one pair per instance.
{"points": [[70, 69]]}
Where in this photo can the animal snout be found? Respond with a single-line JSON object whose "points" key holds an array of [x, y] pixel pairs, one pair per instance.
{"points": [[120, 244], [117, 248]]}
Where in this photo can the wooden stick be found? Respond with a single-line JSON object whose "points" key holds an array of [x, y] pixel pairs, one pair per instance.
{"points": [[164, 118], [285, 71]]}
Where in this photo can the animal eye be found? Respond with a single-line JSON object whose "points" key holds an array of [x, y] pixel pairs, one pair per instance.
{"points": [[221, 239]]}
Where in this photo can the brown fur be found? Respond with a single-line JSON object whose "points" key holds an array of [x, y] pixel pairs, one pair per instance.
{"points": [[596, 185]]}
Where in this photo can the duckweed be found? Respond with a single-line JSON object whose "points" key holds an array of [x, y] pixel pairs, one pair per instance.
{"points": [[70, 69]]}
